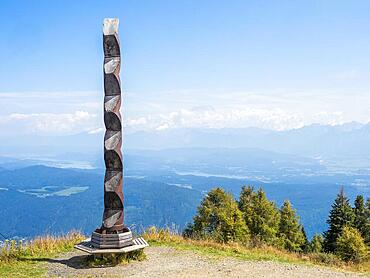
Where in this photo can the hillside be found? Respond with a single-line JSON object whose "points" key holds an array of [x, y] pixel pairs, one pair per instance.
{"points": [[172, 256], [341, 146], [160, 192]]}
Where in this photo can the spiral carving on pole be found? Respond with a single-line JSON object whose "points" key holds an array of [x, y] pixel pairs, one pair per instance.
{"points": [[113, 236], [112, 233], [113, 196]]}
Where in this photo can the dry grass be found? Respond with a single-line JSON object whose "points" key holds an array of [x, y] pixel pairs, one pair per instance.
{"points": [[25, 259], [28, 259], [261, 253], [39, 247]]}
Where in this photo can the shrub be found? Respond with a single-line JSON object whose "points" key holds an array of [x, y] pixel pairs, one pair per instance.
{"points": [[351, 246]]}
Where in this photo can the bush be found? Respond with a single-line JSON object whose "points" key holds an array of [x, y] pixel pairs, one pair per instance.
{"points": [[325, 258], [351, 246], [107, 260]]}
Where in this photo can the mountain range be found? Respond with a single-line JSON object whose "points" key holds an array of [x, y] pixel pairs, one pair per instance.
{"points": [[343, 146]]}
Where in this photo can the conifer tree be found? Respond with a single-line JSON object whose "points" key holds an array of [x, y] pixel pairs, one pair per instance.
{"points": [[367, 235], [306, 245], [341, 214], [218, 217], [362, 221], [290, 231], [261, 215], [245, 203], [316, 243]]}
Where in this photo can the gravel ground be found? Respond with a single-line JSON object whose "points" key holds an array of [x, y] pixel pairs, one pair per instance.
{"points": [[169, 262]]}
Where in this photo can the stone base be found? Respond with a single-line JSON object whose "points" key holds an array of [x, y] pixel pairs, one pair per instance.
{"points": [[107, 241], [88, 247]]}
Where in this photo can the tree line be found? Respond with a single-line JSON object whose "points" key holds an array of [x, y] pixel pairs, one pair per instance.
{"points": [[254, 220]]}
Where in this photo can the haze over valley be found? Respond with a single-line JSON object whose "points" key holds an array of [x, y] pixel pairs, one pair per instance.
{"points": [[167, 173]]}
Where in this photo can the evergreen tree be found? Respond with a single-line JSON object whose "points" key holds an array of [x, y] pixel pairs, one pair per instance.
{"points": [[290, 231], [245, 204], [350, 245], [261, 216], [362, 221], [218, 217], [316, 243], [306, 244], [367, 234], [341, 214]]}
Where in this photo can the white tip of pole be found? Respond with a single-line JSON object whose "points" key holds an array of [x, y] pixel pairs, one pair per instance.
{"points": [[110, 26]]}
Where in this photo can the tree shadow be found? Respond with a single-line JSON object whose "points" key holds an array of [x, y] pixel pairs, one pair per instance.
{"points": [[76, 262], [93, 261]]}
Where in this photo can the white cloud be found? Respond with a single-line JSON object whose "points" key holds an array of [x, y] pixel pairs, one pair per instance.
{"points": [[74, 112], [212, 118], [96, 130], [278, 109], [141, 121], [48, 123]]}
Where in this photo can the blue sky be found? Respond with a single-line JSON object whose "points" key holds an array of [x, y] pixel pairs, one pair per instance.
{"points": [[272, 64]]}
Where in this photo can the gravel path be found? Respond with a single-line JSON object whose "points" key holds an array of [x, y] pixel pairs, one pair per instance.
{"points": [[169, 262]]}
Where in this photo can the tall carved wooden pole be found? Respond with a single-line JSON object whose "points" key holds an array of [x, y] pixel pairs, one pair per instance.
{"points": [[112, 233], [113, 236]]}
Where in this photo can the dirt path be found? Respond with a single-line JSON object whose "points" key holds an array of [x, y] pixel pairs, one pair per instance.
{"points": [[168, 262]]}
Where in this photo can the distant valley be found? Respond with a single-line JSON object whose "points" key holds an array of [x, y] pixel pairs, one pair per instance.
{"points": [[164, 188], [55, 184]]}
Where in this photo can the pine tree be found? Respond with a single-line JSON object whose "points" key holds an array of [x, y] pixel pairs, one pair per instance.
{"points": [[261, 215], [218, 217], [316, 243], [341, 214], [362, 221], [290, 231], [245, 203], [306, 244], [367, 234]]}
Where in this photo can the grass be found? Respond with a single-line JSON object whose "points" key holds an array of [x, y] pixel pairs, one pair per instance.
{"points": [[264, 253], [115, 259], [26, 259]]}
